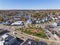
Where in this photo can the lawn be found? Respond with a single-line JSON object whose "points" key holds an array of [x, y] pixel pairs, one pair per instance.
{"points": [[39, 33], [34, 31]]}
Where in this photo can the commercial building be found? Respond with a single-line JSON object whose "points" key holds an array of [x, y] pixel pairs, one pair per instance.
{"points": [[18, 23], [33, 42], [7, 39]]}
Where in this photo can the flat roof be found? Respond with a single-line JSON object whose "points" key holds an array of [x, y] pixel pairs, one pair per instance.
{"points": [[2, 31], [33, 42]]}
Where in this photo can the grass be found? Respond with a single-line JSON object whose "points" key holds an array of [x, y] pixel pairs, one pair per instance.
{"points": [[40, 33]]}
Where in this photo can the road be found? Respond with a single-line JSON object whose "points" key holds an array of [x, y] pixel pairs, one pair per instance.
{"points": [[49, 34], [25, 36]]}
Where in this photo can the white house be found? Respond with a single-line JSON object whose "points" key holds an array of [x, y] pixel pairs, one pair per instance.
{"points": [[43, 20], [58, 16], [29, 21], [18, 23], [54, 24], [54, 18]]}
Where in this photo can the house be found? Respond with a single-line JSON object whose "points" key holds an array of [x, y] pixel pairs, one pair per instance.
{"points": [[58, 16], [54, 24], [37, 22], [29, 21], [18, 23], [17, 18], [7, 23], [49, 18], [34, 20], [45, 19], [54, 17], [58, 23], [6, 18]]}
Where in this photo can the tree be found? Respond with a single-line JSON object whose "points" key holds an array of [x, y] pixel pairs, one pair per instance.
{"points": [[46, 14], [1, 18], [53, 13], [37, 15]]}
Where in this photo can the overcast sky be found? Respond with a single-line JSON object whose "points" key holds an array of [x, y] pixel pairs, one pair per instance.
{"points": [[29, 4]]}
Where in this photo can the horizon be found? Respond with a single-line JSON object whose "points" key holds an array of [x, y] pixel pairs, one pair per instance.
{"points": [[29, 9]]}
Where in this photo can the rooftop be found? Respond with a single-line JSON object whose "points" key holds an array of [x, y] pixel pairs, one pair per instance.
{"points": [[33, 42], [2, 31], [8, 39]]}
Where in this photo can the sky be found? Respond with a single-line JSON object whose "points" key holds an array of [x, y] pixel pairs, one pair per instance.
{"points": [[29, 4]]}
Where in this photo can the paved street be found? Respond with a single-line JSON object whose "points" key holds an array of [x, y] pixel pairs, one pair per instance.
{"points": [[49, 34], [25, 36]]}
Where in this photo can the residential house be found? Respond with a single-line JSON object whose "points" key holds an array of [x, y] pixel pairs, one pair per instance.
{"points": [[7, 23], [29, 21]]}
